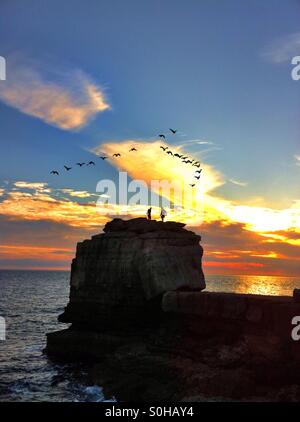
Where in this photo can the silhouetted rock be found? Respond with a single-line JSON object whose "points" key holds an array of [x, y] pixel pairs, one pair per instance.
{"points": [[138, 312], [119, 275]]}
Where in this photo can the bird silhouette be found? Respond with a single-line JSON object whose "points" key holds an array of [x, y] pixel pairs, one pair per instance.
{"points": [[197, 177], [193, 185], [164, 148], [198, 171], [132, 149], [90, 163], [103, 158], [117, 155], [170, 152], [80, 164], [54, 172], [162, 136], [67, 168], [173, 131]]}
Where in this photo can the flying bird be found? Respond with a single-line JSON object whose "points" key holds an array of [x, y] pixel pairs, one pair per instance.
{"points": [[173, 131], [132, 149], [91, 163], [117, 155], [162, 136], [198, 171], [170, 152], [193, 185], [103, 158], [164, 148], [80, 164], [197, 177], [54, 172], [67, 168]]}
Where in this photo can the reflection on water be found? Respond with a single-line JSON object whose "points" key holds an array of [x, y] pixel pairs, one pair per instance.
{"points": [[263, 285], [30, 301]]}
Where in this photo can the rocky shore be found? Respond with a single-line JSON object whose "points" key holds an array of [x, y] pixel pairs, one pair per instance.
{"points": [[139, 315]]}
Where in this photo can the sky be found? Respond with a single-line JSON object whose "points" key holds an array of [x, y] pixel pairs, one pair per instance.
{"points": [[85, 79]]}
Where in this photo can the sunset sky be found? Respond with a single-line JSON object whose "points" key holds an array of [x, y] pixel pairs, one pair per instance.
{"points": [[91, 78]]}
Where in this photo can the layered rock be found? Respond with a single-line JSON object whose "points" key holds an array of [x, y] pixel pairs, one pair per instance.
{"points": [[120, 275]]}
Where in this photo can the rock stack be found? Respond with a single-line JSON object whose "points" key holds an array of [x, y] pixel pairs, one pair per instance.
{"points": [[138, 313], [118, 277]]}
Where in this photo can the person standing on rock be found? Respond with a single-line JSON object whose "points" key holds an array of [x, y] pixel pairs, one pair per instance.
{"points": [[163, 214], [149, 213]]}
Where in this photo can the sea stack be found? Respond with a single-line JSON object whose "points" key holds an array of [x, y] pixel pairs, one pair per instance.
{"points": [[118, 277], [139, 315]]}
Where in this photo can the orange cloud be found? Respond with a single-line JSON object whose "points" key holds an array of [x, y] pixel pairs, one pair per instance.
{"points": [[237, 238], [14, 252], [151, 163], [67, 106]]}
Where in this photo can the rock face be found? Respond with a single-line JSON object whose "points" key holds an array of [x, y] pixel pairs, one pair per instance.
{"points": [[118, 275], [139, 315]]}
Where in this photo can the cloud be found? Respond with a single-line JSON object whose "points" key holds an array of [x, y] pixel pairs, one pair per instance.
{"points": [[39, 186], [193, 142], [237, 182], [49, 206], [230, 248], [149, 164], [297, 157], [77, 193], [237, 238], [154, 164], [198, 142], [66, 99], [283, 49]]}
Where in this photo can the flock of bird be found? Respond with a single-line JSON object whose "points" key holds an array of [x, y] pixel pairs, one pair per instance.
{"points": [[184, 159]]}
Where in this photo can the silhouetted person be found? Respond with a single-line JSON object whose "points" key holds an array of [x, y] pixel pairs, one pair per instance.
{"points": [[163, 214], [149, 213]]}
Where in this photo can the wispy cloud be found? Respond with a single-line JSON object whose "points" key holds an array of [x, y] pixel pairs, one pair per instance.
{"points": [[297, 157], [66, 99], [77, 193], [39, 186], [283, 49], [238, 182], [196, 142]]}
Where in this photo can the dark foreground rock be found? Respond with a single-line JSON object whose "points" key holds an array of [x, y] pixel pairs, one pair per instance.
{"points": [[118, 275], [138, 314]]}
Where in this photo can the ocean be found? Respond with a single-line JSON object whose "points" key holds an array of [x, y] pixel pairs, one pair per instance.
{"points": [[30, 302]]}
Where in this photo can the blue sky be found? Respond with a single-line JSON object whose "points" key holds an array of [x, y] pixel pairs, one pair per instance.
{"points": [[198, 65], [206, 67]]}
